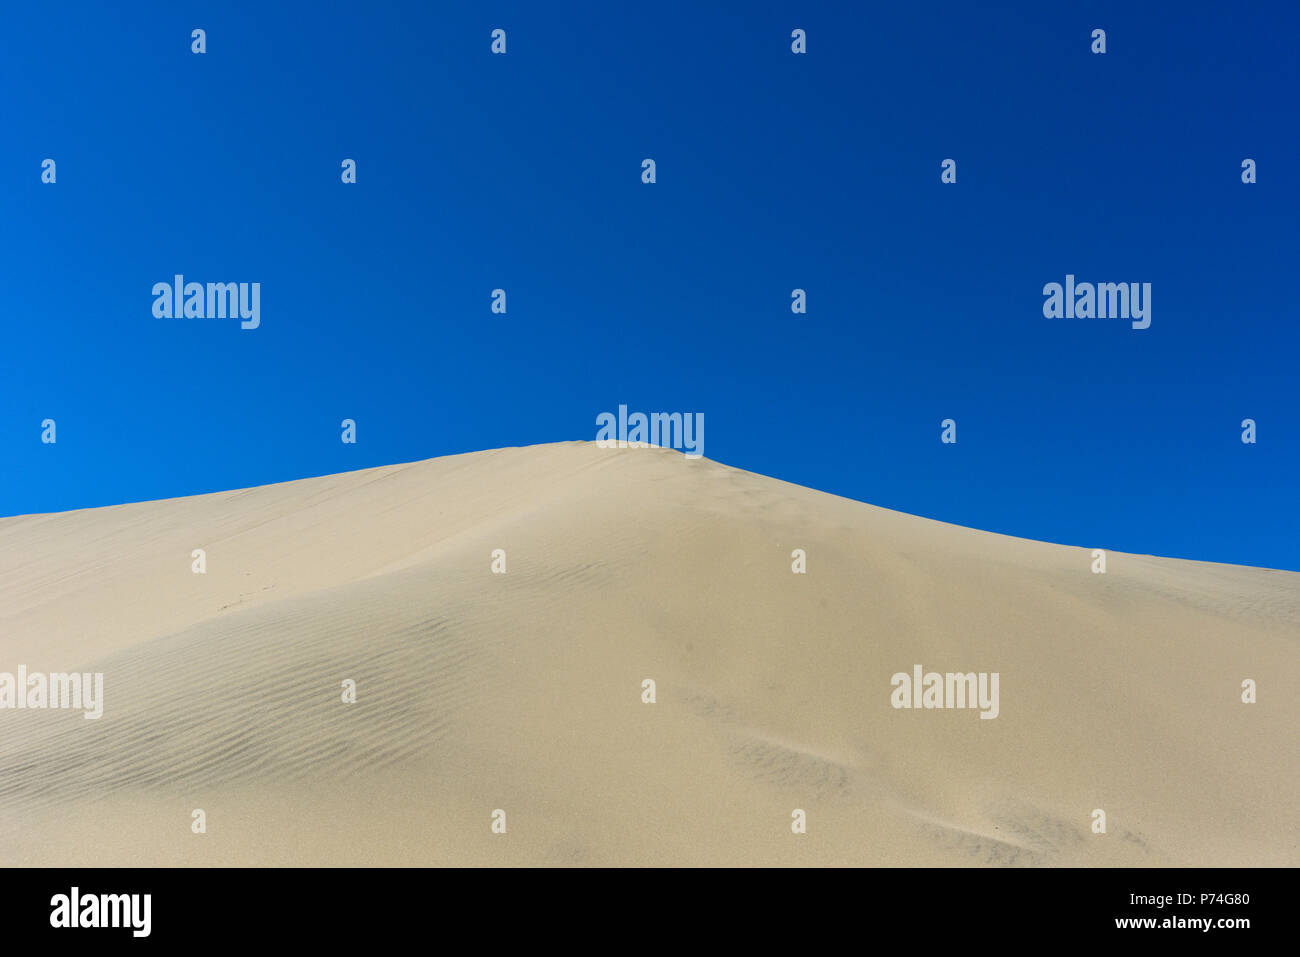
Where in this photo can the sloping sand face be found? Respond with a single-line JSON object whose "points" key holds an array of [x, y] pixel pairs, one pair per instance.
{"points": [[523, 692]]}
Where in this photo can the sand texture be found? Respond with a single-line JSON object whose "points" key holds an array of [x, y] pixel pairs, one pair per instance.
{"points": [[523, 691]]}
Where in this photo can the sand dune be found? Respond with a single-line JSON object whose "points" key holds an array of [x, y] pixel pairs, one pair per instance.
{"points": [[522, 691]]}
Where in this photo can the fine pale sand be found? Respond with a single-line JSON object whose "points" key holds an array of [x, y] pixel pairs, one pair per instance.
{"points": [[522, 691]]}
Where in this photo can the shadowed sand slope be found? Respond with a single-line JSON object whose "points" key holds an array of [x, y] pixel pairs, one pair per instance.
{"points": [[523, 691]]}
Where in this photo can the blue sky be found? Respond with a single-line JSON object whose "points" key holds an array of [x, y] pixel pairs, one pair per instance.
{"points": [[775, 171]]}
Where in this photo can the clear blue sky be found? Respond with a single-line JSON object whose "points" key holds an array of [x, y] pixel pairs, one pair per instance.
{"points": [[775, 171]]}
